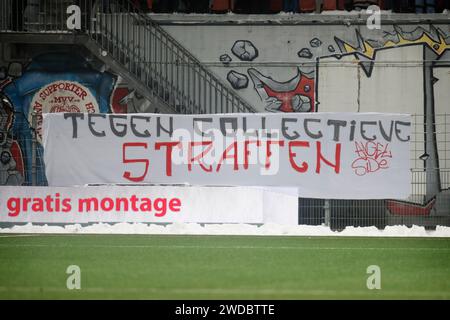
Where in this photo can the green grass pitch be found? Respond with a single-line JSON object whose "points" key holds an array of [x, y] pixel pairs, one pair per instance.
{"points": [[222, 267]]}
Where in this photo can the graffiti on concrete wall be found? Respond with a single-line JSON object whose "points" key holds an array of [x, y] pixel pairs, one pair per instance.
{"points": [[53, 82], [430, 49], [11, 159], [12, 170], [358, 74], [294, 95], [126, 99]]}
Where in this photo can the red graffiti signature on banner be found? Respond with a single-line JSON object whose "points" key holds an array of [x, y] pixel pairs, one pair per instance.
{"points": [[372, 156]]}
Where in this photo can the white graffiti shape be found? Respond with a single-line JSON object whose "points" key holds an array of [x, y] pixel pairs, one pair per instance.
{"points": [[244, 50], [237, 80]]}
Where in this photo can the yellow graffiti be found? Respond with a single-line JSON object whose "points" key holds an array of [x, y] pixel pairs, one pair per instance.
{"points": [[368, 51]]}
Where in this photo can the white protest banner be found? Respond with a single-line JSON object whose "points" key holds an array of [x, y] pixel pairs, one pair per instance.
{"points": [[324, 155], [146, 204]]}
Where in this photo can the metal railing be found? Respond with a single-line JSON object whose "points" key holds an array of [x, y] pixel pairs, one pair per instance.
{"points": [[21, 154], [338, 214], [136, 42]]}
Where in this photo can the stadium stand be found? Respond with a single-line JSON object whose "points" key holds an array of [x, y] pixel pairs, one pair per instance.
{"points": [[307, 5]]}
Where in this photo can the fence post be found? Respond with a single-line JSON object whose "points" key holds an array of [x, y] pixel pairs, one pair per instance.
{"points": [[327, 209], [33, 149]]}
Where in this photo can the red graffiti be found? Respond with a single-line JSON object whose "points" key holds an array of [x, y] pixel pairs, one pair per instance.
{"points": [[18, 157], [62, 108], [372, 156], [403, 208], [304, 87], [117, 104]]}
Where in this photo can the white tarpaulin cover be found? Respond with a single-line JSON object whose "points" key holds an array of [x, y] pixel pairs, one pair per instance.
{"points": [[323, 155]]}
